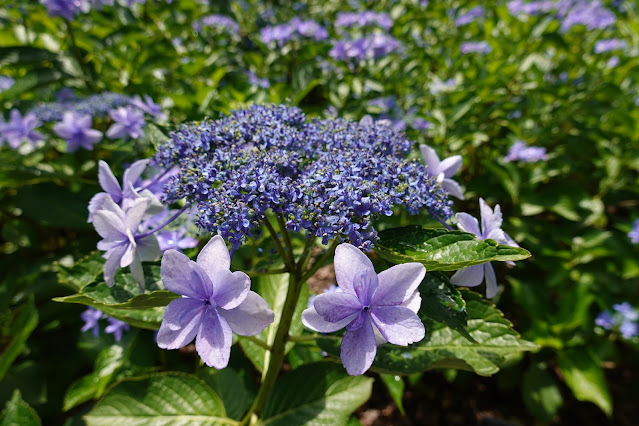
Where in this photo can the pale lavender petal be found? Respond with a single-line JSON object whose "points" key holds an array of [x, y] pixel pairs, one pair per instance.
{"points": [[334, 307], [93, 136], [489, 220], [450, 165], [397, 284], [96, 203], [177, 270], [311, 319], [181, 322], [155, 206], [251, 317], [398, 325], [365, 286], [112, 264], [430, 159], [229, 288], [349, 262], [137, 272], [133, 172], [111, 206], [214, 256], [109, 226], [148, 249], [135, 213], [214, 340], [187, 242], [468, 223], [128, 256], [491, 280], [414, 302], [108, 182], [116, 131], [453, 188], [358, 349], [471, 276]]}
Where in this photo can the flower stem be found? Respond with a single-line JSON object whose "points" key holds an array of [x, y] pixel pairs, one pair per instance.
{"points": [[258, 342], [171, 219], [278, 244]]}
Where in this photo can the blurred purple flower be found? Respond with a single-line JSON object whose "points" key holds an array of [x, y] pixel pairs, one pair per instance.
{"points": [[628, 312], [65, 95], [19, 129], [609, 44], [374, 308], [175, 240], [124, 244], [67, 9], [443, 170], [372, 46], [491, 222], [222, 22], [256, 81], [519, 151], [634, 232], [295, 29], [5, 83], [421, 124], [116, 327], [590, 13], [516, 7], [612, 62], [363, 19], [148, 106], [77, 131], [91, 317], [216, 303], [470, 16], [629, 329], [475, 47], [438, 86], [605, 320], [128, 123]]}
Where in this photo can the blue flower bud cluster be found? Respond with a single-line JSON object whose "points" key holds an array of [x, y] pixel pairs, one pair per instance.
{"points": [[328, 177], [95, 105]]}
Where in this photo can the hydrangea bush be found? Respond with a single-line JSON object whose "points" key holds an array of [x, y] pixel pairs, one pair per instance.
{"points": [[253, 213]]}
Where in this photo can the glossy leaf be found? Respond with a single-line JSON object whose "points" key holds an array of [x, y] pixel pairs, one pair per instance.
{"points": [[18, 412], [20, 323], [585, 377]]}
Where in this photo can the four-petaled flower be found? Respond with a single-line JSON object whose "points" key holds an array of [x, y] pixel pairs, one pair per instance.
{"points": [[216, 303], [148, 106], [116, 327], [128, 122], [491, 222], [374, 308], [77, 130], [91, 318], [19, 129], [443, 170], [122, 240]]}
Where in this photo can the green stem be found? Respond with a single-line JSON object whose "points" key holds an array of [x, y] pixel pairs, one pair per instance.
{"points": [[287, 238], [253, 274], [258, 342], [278, 244], [319, 262], [311, 337]]}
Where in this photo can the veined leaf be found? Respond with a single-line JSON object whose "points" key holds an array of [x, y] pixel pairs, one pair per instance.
{"points": [[18, 412]]}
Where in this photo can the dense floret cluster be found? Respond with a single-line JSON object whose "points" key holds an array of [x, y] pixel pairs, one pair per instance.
{"points": [[95, 106], [329, 177]]}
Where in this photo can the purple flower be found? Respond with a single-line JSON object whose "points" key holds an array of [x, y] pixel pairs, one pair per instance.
{"points": [[67, 9], [5, 83], [442, 86], [605, 320], [519, 151], [65, 95], [122, 240], [475, 47], [372, 46], [374, 308], [443, 170], [148, 106], [634, 232], [363, 19], [421, 124], [216, 303], [610, 44], [624, 319], [517, 7], [77, 131], [491, 222], [116, 327], [19, 129], [612, 62], [295, 29], [629, 329], [175, 240], [125, 195], [628, 312], [128, 122], [218, 21], [470, 16], [256, 81], [91, 317], [590, 13]]}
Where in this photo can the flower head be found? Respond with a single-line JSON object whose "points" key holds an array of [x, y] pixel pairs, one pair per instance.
{"points": [[19, 129], [128, 123], [67, 9], [96, 106], [216, 303], [470, 16], [443, 170], [148, 106], [77, 131], [519, 151], [491, 222], [475, 47], [634, 232], [91, 317], [6, 83], [116, 327], [374, 308]]}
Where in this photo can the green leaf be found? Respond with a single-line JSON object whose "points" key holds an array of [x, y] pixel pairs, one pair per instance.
{"points": [[395, 386], [18, 324], [82, 273], [443, 347], [441, 249], [237, 398], [124, 300], [64, 209], [540, 393], [18, 412], [107, 364], [160, 399], [585, 377], [273, 289], [316, 394], [21, 55]]}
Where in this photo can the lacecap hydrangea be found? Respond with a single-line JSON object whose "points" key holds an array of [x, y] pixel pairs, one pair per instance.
{"points": [[330, 177]]}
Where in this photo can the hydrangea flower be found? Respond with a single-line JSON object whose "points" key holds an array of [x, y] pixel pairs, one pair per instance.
{"points": [[148, 106], [519, 151], [634, 232], [610, 44], [19, 129], [443, 170], [517, 7], [470, 16], [6, 83], [128, 123], [91, 318], [116, 327], [475, 47], [363, 19], [175, 240], [218, 21], [96, 106], [127, 193], [77, 131], [216, 303], [372, 46], [374, 308], [491, 222], [328, 177], [122, 240], [67, 9], [295, 29], [624, 319]]}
